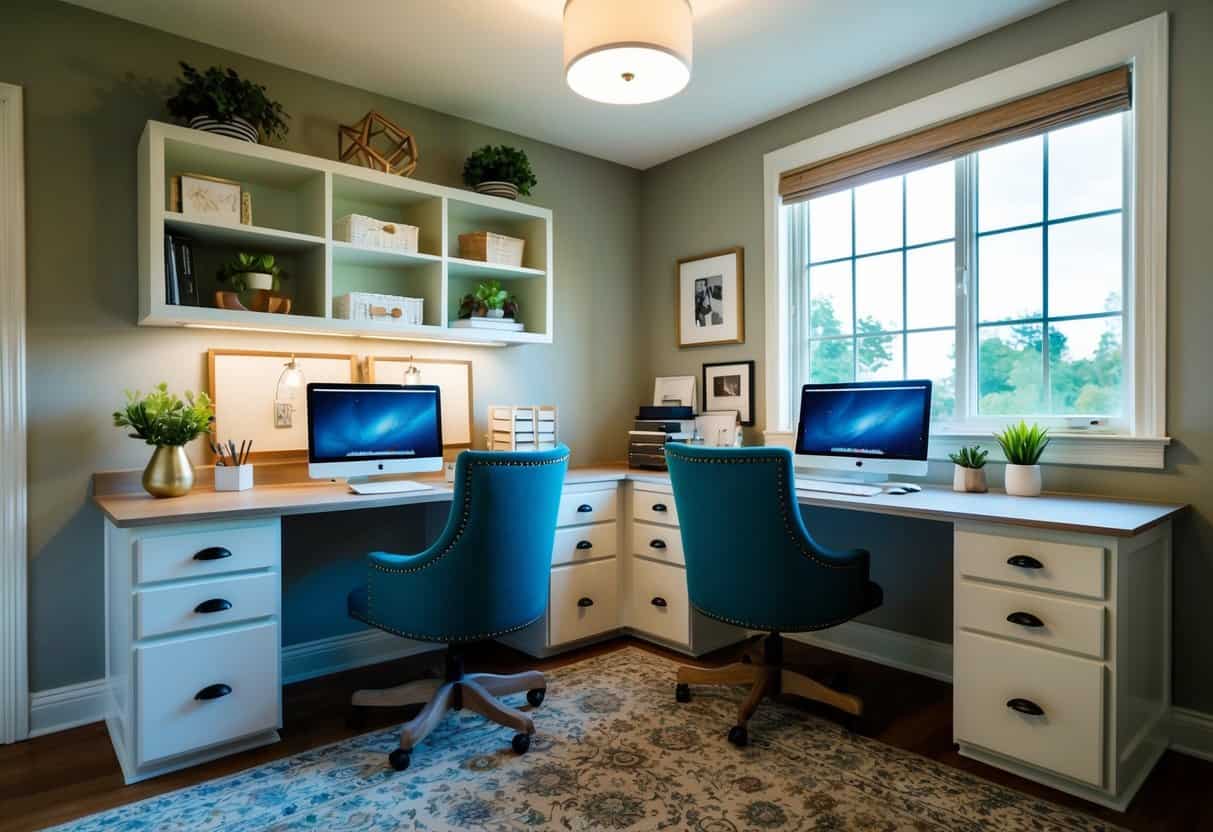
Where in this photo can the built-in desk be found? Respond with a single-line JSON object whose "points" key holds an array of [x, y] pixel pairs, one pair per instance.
{"points": [[1062, 610]]}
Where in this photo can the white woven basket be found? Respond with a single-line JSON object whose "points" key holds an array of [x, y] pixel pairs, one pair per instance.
{"points": [[369, 232]]}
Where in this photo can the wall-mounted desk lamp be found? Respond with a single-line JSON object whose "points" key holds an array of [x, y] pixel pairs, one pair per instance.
{"points": [[286, 394], [413, 374]]}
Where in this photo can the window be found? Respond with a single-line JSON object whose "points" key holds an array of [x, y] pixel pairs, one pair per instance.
{"points": [[1000, 276]]}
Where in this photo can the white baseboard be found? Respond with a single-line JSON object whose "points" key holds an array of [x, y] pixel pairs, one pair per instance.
{"points": [[905, 652], [58, 709], [1192, 733], [332, 655]]}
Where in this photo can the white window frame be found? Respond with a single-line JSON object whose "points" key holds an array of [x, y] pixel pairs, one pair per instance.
{"points": [[1141, 441]]}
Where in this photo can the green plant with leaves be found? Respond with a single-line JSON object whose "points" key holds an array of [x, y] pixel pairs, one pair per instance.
{"points": [[162, 418], [242, 264], [500, 164], [971, 457], [491, 295], [223, 95], [1023, 445]]}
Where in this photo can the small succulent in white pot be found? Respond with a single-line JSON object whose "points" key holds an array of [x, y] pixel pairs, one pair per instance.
{"points": [[970, 471], [1023, 446]]}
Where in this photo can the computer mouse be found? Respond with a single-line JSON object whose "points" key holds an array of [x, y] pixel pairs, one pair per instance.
{"points": [[897, 490]]}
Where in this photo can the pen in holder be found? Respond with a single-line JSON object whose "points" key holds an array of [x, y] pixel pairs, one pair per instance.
{"points": [[234, 477]]}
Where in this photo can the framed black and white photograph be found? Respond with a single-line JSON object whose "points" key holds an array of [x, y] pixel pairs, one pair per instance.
{"points": [[711, 299], [730, 387]]}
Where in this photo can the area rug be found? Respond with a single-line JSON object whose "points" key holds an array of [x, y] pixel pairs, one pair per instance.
{"points": [[613, 752]]}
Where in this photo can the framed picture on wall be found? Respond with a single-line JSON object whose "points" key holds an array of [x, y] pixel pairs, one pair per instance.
{"points": [[730, 387], [711, 298]]}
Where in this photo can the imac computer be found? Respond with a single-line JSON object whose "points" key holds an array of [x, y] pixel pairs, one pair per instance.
{"points": [[869, 429], [357, 431]]}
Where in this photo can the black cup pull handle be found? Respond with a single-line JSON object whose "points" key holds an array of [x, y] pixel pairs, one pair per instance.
{"points": [[585, 602], [585, 507], [1025, 619], [584, 544], [658, 601], [1026, 707], [213, 692], [660, 507], [213, 553], [1025, 562], [214, 605], [657, 543]]}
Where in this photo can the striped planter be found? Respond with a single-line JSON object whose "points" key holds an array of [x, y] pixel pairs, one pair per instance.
{"points": [[237, 128], [505, 189]]}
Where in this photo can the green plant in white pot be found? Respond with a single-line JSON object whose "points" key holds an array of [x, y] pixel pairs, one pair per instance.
{"points": [[970, 471], [249, 272], [492, 297], [1023, 446]]}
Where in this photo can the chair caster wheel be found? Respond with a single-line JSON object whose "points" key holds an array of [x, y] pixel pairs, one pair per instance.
{"points": [[521, 743], [682, 693], [739, 736], [535, 697], [399, 759]]}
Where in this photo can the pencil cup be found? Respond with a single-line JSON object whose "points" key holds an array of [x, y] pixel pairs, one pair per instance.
{"points": [[233, 477]]}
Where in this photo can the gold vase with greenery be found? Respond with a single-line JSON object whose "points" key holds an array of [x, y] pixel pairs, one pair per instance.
{"points": [[165, 421]]}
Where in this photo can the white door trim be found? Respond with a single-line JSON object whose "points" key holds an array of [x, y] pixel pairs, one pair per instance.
{"points": [[14, 668]]}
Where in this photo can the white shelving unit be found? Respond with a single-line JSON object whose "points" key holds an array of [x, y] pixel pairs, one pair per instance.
{"points": [[295, 200]]}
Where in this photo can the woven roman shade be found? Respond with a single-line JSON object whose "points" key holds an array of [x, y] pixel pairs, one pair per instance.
{"points": [[1108, 92]]}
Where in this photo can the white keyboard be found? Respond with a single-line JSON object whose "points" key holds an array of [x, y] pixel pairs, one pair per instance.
{"points": [[387, 487], [830, 487]]}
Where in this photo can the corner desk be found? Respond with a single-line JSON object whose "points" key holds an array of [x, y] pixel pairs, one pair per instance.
{"points": [[1061, 621]]}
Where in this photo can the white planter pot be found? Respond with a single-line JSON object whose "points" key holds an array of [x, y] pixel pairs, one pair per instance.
{"points": [[969, 480], [508, 190], [495, 313], [1022, 480], [237, 128], [257, 280]]}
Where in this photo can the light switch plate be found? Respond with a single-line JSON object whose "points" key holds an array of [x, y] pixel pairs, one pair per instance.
{"points": [[283, 414]]}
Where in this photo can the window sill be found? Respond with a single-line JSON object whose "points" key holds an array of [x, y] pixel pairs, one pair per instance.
{"points": [[1093, 449]]}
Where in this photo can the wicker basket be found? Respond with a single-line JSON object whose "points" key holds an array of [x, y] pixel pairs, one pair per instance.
{"points": [[491, 248], [369, 232]]}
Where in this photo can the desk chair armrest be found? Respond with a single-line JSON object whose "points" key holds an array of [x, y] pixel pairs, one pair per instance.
{"points": [[398, 564]]}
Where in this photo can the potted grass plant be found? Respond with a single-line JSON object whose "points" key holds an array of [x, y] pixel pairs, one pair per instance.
{"points": [[499, 171], [167, 422], [1023, 446], [969, 473], [220, 101]]}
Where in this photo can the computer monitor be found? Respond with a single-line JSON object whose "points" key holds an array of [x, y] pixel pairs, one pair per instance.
{"points": [[357, 430], [874, 427]]}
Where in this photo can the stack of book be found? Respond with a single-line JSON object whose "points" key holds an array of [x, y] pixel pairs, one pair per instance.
{"points": [[522, 428], [180, 284], [654, 427]]}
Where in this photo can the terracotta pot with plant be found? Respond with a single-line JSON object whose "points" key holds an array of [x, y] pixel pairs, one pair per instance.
{"points": [[1023, 446], [165, 421], [220, 101]]}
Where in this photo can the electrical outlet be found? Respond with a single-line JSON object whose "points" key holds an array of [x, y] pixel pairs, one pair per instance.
{"points": [[283, 414]]}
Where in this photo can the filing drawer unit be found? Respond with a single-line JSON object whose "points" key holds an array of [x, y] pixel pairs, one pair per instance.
{"points": [[192, 642], [1057, 671]]}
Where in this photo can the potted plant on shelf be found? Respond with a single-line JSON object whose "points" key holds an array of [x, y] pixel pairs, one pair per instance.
{"points": [[248, 272], [499, 171], [969, 473], [164, 420], [488, 301], [220, 101], [1022, 446]]}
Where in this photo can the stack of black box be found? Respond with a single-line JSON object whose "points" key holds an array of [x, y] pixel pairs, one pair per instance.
{"points": [[654, 427]]}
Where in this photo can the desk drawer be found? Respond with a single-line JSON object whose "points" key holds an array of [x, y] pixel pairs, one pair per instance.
{"points": [[659, 603], [180, 607], [578, 543], [1067, 737], [654, 507], [584, 601], [658, 542], [172, 675], [578, 507], [1076, 626], [201, 552], [1056, 567]]}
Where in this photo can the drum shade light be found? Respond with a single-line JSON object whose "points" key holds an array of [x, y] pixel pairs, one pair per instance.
{"points": [[627, 51]]}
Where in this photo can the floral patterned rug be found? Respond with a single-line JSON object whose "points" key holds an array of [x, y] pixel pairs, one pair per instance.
{"points": [[613, 751]]}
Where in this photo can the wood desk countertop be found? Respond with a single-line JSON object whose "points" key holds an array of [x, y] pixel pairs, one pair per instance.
{"points": [[1062, 512]]}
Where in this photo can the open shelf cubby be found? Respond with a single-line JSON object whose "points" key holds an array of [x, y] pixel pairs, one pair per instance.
{"points": [[296, 200]]}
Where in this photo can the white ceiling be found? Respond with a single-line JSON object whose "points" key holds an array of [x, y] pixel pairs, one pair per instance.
{"points": [[499, 61]]}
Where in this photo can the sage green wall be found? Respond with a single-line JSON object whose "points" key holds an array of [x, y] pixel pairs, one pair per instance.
{"points": [[712, 198], [91, 82]]}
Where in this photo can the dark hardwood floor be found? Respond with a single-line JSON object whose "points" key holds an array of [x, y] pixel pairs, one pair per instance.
{"points": [[56, 778]]}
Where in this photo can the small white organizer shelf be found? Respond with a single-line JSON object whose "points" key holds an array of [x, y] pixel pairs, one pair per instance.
{"points": [[295, 200]]}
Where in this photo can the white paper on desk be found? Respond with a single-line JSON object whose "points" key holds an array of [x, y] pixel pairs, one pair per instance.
{"points": [[675, 391], [719, 428]]}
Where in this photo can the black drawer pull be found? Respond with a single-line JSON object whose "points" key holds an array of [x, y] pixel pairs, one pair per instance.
{"points": [[584, 544], [212, 692], [658, 601], [660, 507], [657, 543], [1025, 562], [1025, 619], [585, 602], [1026, 707], [213, 553], [585, 507], [214, 605]]}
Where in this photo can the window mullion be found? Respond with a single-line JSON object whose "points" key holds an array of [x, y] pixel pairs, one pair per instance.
{"points": [[1046, 381], [965, 290]]}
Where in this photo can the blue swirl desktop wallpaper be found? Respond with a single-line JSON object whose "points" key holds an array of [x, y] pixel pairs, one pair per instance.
{"points": [[885, 423], [349, 425]]}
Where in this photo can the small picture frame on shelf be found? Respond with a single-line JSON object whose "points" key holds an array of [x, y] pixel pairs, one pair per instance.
{"points": [[730, 386], [210, 198], [711, 298]]}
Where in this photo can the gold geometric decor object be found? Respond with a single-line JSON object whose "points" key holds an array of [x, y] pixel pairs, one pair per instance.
{"points": [[379, 143]]}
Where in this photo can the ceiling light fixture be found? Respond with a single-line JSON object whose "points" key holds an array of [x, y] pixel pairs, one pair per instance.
{"points": [[627, 51]]}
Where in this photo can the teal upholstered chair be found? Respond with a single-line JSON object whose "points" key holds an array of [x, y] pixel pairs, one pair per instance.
{"points": [[751, 562], [486, 575]]}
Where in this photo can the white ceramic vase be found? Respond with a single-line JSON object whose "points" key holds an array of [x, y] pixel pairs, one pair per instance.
{"points": [[1022, 480], [969, 479], [257, 280]]}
